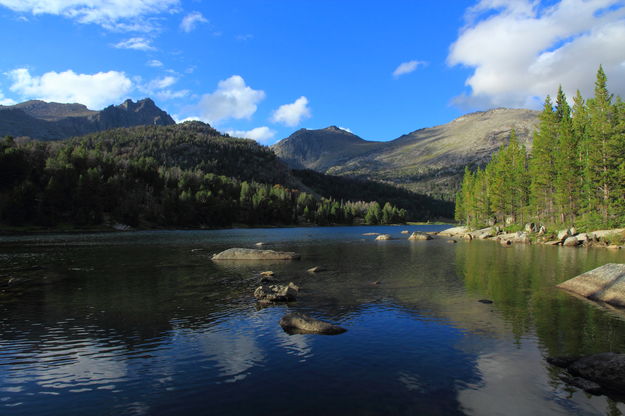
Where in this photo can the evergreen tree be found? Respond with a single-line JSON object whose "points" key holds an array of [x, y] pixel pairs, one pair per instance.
{"points": [[542, 164]]}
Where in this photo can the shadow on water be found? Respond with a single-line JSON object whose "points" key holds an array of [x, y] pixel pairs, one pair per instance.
{"points": [[145, 323]]}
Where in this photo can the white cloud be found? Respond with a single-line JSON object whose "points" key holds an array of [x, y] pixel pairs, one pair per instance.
{"points": [[171, 94], [118, 15], [6, 101], [260, 134], [407, 67], [520, 51], [190, 21], [292, 114], [154, 63], [161, 83], [94, 90], [231, 99], [138, 43]]}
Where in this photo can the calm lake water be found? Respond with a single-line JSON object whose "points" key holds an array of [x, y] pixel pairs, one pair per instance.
{"points": [[146, 324]]}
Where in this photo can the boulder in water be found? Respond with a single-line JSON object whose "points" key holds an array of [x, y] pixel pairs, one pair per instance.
{"points": [[299, 323], [252, 254], [419, 236], [276, 293], [384, 237], [605, 284], [606, 370]]}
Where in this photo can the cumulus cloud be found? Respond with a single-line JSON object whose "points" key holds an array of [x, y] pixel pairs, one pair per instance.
{"points": [[190, 21], [154, 63], [6, 101], [292, 114], [138, 43], [261, 134], [520, 51], [231, 99], [118, 15], [407, 67], [94, 90]]}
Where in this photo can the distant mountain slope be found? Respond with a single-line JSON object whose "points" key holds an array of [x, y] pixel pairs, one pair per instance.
{"points": [[54, 121], [322, 149], [428, 160]]}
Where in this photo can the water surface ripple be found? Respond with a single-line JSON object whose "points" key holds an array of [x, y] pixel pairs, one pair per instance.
{"points": [[144, 323]]}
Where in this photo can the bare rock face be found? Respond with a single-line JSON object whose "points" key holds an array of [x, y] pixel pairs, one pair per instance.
{"points": [[605, 284], [276, 293], [597, 373], [299, 323], [252, 254], [419, 236]]}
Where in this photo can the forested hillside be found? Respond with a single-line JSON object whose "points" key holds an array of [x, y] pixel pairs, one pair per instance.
{"points": [[575, 173], [186, 175]]}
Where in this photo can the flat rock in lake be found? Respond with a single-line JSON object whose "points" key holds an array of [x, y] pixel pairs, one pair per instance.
{"points": [[605, 284], [299, 323], [371, 234], [252, 254]]}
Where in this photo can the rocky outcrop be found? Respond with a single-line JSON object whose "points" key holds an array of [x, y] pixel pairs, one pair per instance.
{"points": [[252, 254], [299, 323], [276, 293], [605, 284], [54, 121], [419, 236], [597, 373]]}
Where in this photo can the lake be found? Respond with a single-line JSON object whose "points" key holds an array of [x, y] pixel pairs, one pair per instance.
{"points": [[144, 323]]}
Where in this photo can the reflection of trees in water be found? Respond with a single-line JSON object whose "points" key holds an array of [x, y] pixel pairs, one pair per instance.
{"points": [[521, 280]]}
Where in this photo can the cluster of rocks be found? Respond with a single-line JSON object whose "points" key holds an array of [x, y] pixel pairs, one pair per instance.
{"points": [[414, 236], [538, 233], [271, 292]]}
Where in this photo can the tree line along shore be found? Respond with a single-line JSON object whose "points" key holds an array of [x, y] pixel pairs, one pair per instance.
{"points": [[573, 178]]}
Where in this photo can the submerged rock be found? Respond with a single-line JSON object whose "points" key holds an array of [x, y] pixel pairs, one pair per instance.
{"points": [[605, 284], [299, 323], [486, 301], [252, 254], [419, 236], [595, 373], [316, 269], [276, 293]]}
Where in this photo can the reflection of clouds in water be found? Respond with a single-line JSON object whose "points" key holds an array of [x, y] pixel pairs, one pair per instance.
{"points": [[298, 344], [515, 382], [412, 382], [78, 369], [235, 353]]}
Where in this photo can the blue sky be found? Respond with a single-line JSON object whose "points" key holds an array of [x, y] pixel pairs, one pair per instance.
{"points": [[263, 69]]}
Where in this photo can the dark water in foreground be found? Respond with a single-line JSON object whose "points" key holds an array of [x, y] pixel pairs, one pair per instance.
{"points": [[138, 323]]}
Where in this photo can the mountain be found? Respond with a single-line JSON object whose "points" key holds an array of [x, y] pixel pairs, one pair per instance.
{"points": [[54, 121], [429, 160]]}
